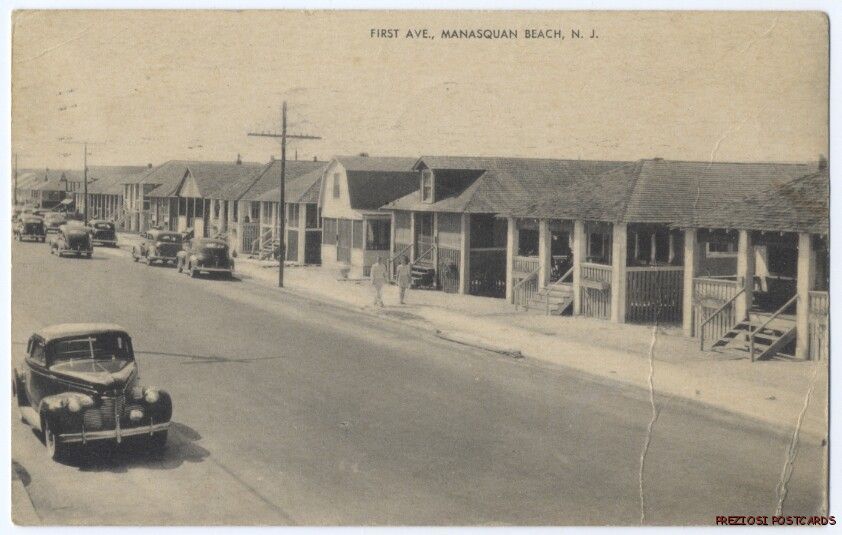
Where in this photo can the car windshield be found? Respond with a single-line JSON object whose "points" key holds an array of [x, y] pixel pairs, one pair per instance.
{"points": [[211, 245], [169, 238], [54, 217], [103, 226], [94, 347]]}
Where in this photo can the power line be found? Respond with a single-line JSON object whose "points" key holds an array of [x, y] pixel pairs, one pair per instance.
{"points": [[283, 136]]}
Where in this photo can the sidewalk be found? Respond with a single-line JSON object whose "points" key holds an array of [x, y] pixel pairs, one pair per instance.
{"points": [[773, 393]]}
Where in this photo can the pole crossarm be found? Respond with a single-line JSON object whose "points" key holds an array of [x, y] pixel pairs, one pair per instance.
{"points": [[283, 136]]}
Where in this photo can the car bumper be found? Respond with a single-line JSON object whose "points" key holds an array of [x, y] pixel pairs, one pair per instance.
{"points": [[213, 269], [31, 236], [111, 434], [97, 241], [158, 258]]}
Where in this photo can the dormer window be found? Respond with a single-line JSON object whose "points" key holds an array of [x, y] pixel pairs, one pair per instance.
{"points": [[427, 186]]}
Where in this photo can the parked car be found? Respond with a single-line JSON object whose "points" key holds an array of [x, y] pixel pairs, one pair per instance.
{"points": [[103, 232], [158, 246], [72, 239], [205, 254], [54, 220], [30, 227], [79, 383]]}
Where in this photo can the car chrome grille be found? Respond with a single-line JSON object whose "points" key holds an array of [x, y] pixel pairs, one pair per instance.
{"points": [[105, 415], [168, 249]]}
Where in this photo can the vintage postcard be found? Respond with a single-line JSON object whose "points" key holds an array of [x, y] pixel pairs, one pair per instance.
{"points": [[390, 268]]}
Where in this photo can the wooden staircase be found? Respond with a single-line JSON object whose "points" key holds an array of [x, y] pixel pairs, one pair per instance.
{"points": [[554, 299], [423, 275], [770, 338]]}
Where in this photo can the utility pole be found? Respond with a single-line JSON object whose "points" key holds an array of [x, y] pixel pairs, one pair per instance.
{"points": [[15, 183], [283, 136], [84, 176]]}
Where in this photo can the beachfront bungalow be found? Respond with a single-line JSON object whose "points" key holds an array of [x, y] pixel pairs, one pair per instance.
{"points": [[183, 198], [773, 299], [246, 210], [628, 260], [105, 190], [451, 229], [355, 231]]}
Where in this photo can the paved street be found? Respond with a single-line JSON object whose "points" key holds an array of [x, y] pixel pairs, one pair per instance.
{"points": [[292, 412]]}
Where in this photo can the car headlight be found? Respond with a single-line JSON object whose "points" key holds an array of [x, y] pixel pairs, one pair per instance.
{"points": [[137, 393], [73, 405], [151, 395]]}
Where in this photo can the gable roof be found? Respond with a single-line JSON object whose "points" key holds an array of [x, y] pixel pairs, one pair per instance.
{"points": [[800, 205], [301, 189], [267, 179], [109, 179], [210, 177], [376, 180], [501, 184], [659, 191]]}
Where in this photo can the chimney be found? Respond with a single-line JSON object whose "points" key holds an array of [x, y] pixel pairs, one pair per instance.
{"points": [[822, 162], [315, 158], [239, 160], [364, 154], [271, 157], [149, 166], [658, 159]]}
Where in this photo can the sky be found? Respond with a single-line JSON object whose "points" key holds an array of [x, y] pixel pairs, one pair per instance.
{"points": [[147, 87]]}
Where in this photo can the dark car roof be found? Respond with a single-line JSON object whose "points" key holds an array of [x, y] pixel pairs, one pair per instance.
{"points": [[66, 330]]}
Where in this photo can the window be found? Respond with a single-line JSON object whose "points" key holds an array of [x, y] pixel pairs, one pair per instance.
{"points": [[335, 185], [527, 242], [37, 353], [599, 248], [427, 185], [292, 215], [714, 249], [311, 216], [377, 235]]}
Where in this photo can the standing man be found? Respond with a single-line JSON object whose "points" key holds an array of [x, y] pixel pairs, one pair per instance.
{"points": [[404, 276], [378, 280]]}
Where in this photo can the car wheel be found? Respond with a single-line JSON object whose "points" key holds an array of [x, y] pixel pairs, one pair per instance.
{"points": [[178, 265], [193, 272], [134, 255], [89, 255], [158, 442], [55, 450], [19, 394]]}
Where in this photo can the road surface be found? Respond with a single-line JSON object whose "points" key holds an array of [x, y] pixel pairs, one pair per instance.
{"points": [[288, 411]]}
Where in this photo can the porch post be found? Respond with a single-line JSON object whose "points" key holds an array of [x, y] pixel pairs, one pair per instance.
{"points": [[578, 249], [412, 237], [691, 266], [544, 252], [436, 246], [618, 272], [745, 274], [465, 255], [241, 208], [511, 250], [261, 213], [806, 279], [302, 232], [392, 242]]}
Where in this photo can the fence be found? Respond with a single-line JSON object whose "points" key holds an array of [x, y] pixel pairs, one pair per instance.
{"points": [[250, 232], [653, 294], [709, 295], [525, 264], [818, 330], [596, 290]]}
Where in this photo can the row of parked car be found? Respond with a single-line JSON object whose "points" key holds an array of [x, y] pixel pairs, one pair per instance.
{"points": [[188, 254], [78, 383], [69, 235]]}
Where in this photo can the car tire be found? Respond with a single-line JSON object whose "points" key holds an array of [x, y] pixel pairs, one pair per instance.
{"points": [[19, 394], [193, 273], [134, 256], [178, 266], [158, 442], [55, 450], [89, 255]]}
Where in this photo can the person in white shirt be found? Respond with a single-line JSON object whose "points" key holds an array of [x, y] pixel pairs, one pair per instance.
{"points": [[404, 276], [379, 277]]}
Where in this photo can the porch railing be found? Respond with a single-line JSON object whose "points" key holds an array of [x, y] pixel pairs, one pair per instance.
{"points": [[709, 294], [525, 264], [722, 320], [596, 290], [525, 289], [653, 294], [818, 325], [753, 332]]}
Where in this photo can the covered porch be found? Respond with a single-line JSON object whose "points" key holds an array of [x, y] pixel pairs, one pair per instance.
{"points": [[763, 292], [625, 272]]}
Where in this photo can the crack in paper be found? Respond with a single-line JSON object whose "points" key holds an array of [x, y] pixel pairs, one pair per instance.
{"points": [[651, 422]]}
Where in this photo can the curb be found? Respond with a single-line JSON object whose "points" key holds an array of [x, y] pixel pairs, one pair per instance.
{"points": [[477, 342]]}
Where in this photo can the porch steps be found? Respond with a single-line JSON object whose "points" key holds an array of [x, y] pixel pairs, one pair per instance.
{"points": [[767, 343], [268, 251], [559, 295], [423, 275]]}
